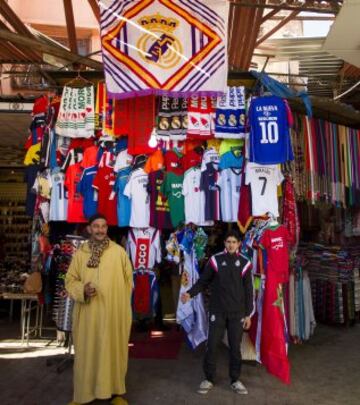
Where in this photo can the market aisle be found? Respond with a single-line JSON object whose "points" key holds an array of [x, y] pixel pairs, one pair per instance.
{"points": [[323, 372]]}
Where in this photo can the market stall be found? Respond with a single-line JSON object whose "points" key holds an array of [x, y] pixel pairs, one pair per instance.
{"points": [[173, 154]]}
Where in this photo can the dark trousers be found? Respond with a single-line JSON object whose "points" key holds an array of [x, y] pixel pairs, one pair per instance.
{"points": [[218, 323]]}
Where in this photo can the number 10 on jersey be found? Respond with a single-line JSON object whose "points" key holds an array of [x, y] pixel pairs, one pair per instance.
{"points": [[269, 132]]}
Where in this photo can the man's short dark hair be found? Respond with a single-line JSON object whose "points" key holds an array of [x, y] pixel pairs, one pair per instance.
{"points": [[95, 217], [233, 234]]}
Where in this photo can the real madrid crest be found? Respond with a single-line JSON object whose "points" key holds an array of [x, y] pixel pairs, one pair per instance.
{"points": [[159, 45]]}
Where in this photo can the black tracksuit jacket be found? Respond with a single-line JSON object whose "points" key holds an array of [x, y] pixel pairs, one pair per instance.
{"points": [[230, 280]]}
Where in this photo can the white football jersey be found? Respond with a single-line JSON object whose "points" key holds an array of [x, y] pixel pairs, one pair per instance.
{"points": [[143, 247], [123, 160], [264, 181], [194, 198], [136, 191], [59, 197], [210, 156], [229, 183]]}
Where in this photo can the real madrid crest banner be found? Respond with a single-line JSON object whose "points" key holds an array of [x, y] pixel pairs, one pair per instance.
{"points": [[178, 47]]}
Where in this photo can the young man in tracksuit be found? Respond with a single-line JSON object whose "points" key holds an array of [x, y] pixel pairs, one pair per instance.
{"points": [[228, 274]]}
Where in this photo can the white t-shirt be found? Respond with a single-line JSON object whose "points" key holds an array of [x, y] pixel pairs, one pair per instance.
{"points": [[229, 182], [194, 198], [144, 248], [136, 191], [123, 160], [59, 197], [264, 181]]}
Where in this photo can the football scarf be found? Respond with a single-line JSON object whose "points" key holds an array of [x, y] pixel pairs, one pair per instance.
{"points": [[230, 114], [172, 117], [177, 48]]}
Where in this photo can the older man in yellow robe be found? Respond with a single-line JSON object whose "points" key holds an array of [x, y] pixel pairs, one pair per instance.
{"points": [[100, 281]]}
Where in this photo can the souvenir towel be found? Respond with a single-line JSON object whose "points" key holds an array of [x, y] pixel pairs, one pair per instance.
{"points": [[76, 117]]}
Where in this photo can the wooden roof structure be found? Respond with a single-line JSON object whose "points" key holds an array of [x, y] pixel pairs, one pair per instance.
{"points": [[19, 44]]}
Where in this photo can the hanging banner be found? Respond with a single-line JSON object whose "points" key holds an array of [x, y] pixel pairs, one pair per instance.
{"points": [[178, 48]]}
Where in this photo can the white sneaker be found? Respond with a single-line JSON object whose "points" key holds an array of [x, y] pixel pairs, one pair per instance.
{"points": [[239, 387], [205, 387]]}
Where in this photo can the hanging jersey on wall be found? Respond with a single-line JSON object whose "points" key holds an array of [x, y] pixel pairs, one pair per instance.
{"points": [[229, 183], [174, 162], [208, 185], [90, 156], [76, 201], [276, 241], [42, 184], [264, 181], [144, 248], [136, 191], [104, 183], [59, 196], [270, 141], [145, 294], [193, 158], [159, 205], [123, 202], [172, 190], [123, 160], [89, 193], [232, 159], [155, 162], [194, 198]]}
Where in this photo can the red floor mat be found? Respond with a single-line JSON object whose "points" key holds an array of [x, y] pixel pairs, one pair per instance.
{"points": [[155, 344]]}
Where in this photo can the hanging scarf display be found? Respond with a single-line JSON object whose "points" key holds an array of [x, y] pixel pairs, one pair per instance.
{"points": [[76, 117], [230, 114], [290, 214]]}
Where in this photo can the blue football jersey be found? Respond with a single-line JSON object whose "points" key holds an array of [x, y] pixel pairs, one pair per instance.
{"points": [[123, 202], [270, 141], [86, 189]]}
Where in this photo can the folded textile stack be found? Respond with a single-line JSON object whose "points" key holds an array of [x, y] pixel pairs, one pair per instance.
{"points": [[335, 283]]}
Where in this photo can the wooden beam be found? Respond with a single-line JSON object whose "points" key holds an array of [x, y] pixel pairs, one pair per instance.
{"points": [[331, 8], [18, 52], [269, 15], [70, 25], [11, 17], [95, 8], [51, 49], [277, 27], [306, 18], [328, 8], [251, 41]]}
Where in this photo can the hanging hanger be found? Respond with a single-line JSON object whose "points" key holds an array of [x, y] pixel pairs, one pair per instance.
{"points": [[79, 81], [273, 219]]}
